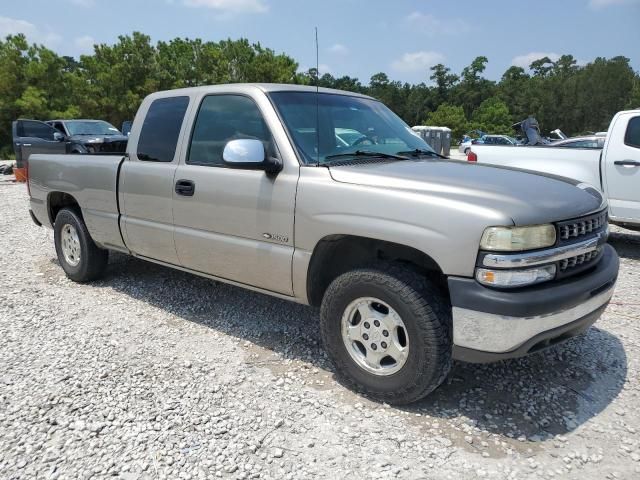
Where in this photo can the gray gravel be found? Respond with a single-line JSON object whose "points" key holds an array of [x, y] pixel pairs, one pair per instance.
{"points": [[152, 373]]}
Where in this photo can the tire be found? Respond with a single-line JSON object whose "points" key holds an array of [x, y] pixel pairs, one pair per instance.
{"points": [[82, 260], [467, 150], [425, 313]]}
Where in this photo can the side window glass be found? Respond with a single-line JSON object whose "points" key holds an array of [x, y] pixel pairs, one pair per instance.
{"points": [[32, 129], [222, 118], [632, 135], [161, 128]]}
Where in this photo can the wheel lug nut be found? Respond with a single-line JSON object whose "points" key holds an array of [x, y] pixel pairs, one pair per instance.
{"points": [[383, 344], [374, 346], [366, 325], [376, 323], [365, 336], [385, 333]]}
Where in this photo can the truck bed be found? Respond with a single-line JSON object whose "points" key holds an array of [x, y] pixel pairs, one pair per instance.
{"points": [[582, 164], [91, 179]]}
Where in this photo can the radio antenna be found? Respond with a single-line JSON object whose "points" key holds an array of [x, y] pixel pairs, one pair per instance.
{"points": [[317, 101]]}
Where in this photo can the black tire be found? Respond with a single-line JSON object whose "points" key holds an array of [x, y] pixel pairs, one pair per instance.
{"points": [[424, 310], [467, 150], [92, 259]]}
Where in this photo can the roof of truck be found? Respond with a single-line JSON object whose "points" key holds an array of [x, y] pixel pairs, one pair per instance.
{"points": [[76, 120], [265, 87]]}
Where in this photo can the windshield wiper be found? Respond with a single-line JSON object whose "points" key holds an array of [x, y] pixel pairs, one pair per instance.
{"points": [[367, 153], [418, 151]]}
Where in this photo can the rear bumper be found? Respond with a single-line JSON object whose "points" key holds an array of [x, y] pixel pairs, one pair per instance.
{"points": [[491, 325]]}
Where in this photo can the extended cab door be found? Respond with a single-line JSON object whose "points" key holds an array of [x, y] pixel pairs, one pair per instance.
{"points": [[622, 167], [146, 178], [231, 223], [33, 136]]}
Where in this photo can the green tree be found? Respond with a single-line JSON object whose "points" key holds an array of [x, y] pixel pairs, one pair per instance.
{"points": [[473, 89], [117, 77], [450, 116], [634, 98], [513, 90], [444, 82], [111, 82], [492, 116]]}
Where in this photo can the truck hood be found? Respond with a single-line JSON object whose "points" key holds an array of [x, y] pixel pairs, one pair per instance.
{"points": [[527, 197]]}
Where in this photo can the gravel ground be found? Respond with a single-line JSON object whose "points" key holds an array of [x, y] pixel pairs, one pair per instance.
{"points": [[153, 373]]}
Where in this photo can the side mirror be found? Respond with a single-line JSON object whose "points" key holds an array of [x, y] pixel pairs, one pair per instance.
{"points": [[249, 154], [58, 137]]}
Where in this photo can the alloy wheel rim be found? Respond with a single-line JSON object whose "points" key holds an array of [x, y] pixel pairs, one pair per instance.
{"points": [[375, 336], [70, 243]]}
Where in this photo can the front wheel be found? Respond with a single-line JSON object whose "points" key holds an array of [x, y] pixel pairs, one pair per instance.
{"points": [[80, 258], [388, 332]]}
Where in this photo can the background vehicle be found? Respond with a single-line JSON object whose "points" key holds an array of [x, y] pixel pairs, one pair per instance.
{"points": [[414, 260], [487, 140], [614, 170], [498, 140], [590, 141], [65, 136]]}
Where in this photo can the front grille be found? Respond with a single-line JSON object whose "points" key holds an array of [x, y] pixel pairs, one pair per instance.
{"points": [[584, 259], [573, 229], [117, 146]]}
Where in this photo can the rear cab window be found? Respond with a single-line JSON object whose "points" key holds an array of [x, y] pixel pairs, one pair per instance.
{"points": [[632, 135], [161, 129]]}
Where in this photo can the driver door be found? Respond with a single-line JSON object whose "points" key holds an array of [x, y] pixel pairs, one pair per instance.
{"points": [[33, 136], [234, 224]]}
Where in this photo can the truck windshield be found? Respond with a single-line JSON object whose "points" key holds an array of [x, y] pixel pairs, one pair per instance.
{"points": [[80, 127], [325, 126]]}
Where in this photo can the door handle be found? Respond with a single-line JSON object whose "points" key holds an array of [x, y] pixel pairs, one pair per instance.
{"points": [[627, 163], [26, 144], [185, 187]]}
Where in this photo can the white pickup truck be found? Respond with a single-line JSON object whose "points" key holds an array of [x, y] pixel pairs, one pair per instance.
{"points": [[615, 170]]}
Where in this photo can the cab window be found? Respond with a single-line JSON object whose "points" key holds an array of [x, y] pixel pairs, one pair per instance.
{"points": [[632, 135], [222, 118], [161, 129], [35, 129]]}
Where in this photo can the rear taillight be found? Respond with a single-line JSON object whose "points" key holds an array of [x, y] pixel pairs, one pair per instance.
{"points": [[472, 157]]}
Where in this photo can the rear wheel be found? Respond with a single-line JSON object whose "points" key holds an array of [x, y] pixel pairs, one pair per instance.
{"points": [[80, 258], [388, 332]]}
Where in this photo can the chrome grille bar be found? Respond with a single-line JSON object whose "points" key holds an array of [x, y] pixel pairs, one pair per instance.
{"points": [[530, 259]]}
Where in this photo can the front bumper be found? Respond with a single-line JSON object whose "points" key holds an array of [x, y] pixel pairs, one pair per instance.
{"points": [[491, 324]]}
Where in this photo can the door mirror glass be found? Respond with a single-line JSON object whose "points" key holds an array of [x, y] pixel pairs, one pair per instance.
{"points": [[244, 153], [57, 136]]}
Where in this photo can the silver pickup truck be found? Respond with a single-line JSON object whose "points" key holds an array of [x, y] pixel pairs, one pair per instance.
{"points": [[327, 198]]}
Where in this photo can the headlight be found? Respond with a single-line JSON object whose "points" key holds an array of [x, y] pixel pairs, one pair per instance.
{"points": [[515, 239], [515, 278]]}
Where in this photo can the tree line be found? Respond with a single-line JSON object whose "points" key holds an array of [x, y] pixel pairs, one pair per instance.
{"points": [[109, 84]]}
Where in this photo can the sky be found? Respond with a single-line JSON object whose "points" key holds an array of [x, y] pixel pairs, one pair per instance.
{"points": [[402, 38]]}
